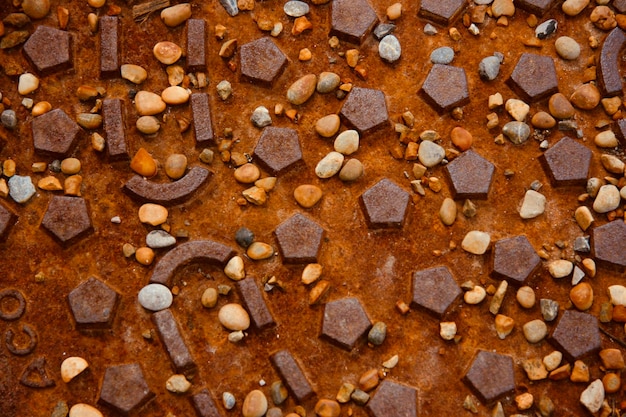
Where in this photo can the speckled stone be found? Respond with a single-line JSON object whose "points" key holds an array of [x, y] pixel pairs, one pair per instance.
{"points": [[442, 55], [155, 297]]}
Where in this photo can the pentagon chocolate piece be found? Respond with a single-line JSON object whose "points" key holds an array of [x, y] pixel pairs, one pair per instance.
{"points": [[537, 7], [93, 305], [393, 399], [169, 193], [384, 205], [443, 12], [344, 322], [566, 163], [490, 375], [364, 110], [534, 77], [435, 290], [352, 20], [470, 176], [278, 149], [262, 61], [202, 121], [609, 77], [67, 219], [608, 245], [7, 220], [445, 88], [204, 405], [290, 372], [109, 46], [113, 115], [174, 343], [254, 302], [194, 251], [49, 50], [514, 259], [54, 133], [124, 388], [576, 335], [299, 239], [196, 45]]}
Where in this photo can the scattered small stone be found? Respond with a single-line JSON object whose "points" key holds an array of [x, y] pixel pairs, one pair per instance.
{"points": [[155, 297], [327, 82], [430, 154], [582, 296], [209, 298], [430, 30], [255, 404], [351, 171], [574, 7], [328, 125], [535, 370], [560, 268], [360, 397], [586, 97], [545, 29], [148, 103], [534, 205], [498, 297], [448, 211], [526, 297], [377, 333], [158, 239], [476, 242], [228, 399], [234, 269], [475, 296], [346, 390], [442, 55], [247, 173], [517, 109], [302, 89], [612, 164], [21, 188], [504, 325], [259, 251], [176, 166], [9, 119], [383, 30], [535, 331], [608, 199], [580, 372], [307, 195], [389, 49], [489, 68], [329, 165], [581, 244], [447, 330], [177, 384], [175, 15], [234, 317], [391, 362], [261, 117], [72, 367], [347, 142], [549, 309], [27, 83], [295, 8], [224, 89], [553, 360], [244, 237], [255, 195], [516, 132], [524, 401], [369, 380], [567, 48], [593, 396], [167, 52], [606, 139]]}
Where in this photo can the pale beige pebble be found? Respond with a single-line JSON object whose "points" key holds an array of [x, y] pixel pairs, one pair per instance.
{"points": [[72, 185], [498, 297], [351, 171], [535, 331], [177, 384], [175, 15], [89, 121], [70, 166], [72, 367], [560, 268], [582, 296], [167, 52], [608, 199], [176, 166], [97, 142], [454, 33], [41, 108], [504, 325], [533, 205], [391, 362], [209, 298], [234, 317], [526, 296], [259, 251], [535, 370], [495, 100], [447, 330], [235, 269], [96, 3], [475, 296], [328, 125], [524, 401], [517, 109], [36, 9], [617, 294], [276, 29], [586, 97], [307, 195], [92, 22], [394, 11], [255, 195], [583, 217], [574, 7], [448, 211], [606, 139], [247, 173], [567, 48], [611, 104], [267, 183], [592, 397], [175, 94], [4, 188], [50, 183], [352, 57], [84, 410], [153, 214], [329, 165], [347, 142], [552, 360], [476, 242], [133, 73], [612, 164], [39, 167], [144, 255], [175, 74], [590, 266], [27, 83], [302, 89], [255, 404], [311, 273], [148, 125], [502, 8], [148, 103]]}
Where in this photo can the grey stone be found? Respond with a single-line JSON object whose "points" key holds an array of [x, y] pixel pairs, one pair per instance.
{"points": [[430, 30], [546, 28], [230, 6], [581, 244], [549, 309], [224, 89], [389, 49], [327, 82], [9, 119], [244, 237], [157, 239], [383, 30], [489, 68], [229, 400], [443, 55], [296, 8], [516, 132], [261, 117], [21, 188], [360, 397], [577, 276], [155, 297], [377, 333]]}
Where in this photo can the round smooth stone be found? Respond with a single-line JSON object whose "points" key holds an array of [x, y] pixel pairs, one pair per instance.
{"points": [[175, 94], [244, 237], [489, 68], [296, 8], [84, 410], [301, 90], [36, 9], [574, 7], [516, 132], [155, 297], [329, 165], [475, 296], [148, 103], [560, 107], [247, 173], [234, 317], [560, 268], [543, 120], [448, 211], [21, 188], [70, 166], [443, 55], [153, 214], [255, 404], [430, 154], [167, 52], [535, 331], [608, 199], [175, 166], [582, 296], [606, 139], [328, 125], [307, 195], [526, 297], [389, 49], [351, 171], [175, 15], [461, 138], [27, 83], [209, 298], [133, 73], [259, 250], [9, 119], [586, 97], [72, 367], [327, 82], [347, 142], [567, 48], [261, 117], [476, 242]]}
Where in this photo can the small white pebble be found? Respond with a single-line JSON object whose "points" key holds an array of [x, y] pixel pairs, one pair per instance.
{"points": [[116, 219]]}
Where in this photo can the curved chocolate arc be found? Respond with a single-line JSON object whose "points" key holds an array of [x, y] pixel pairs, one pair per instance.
{"points": [[21, 351], [168, 194], [609, 77]]}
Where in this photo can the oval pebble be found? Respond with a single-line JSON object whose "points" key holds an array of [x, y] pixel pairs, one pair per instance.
{"points": [[259, 251], [175, 166], [461, 138], [235, 269], [430, 154], [167, 52], [567, 48], [586, 97], [560, 107], [582, 296], [27, 83], [229, 400], [329, 165], [516, 132], [84, 410], [476, 242], [574, 7], [543, 120], [526, 296], [255, 404], [148, 103], [535, 331], [389, 49], [443, 55], [606, 139], [608, 199], [36, 9], [296, 8], [209, 298], [244, 237], [560, 268], [475, 296], [307, 195], [234, 317], [247, 173], [347, 142], [133, 73], [545, 29], [327, 82], [489, 68], [175, 15], [175, 94], [70, 166], [155, 297], [328, 125], [144, 256], [377, 333], [351, 171], [302, 89], [448, 211], [153, 214], [158, 239], [21, 188]]}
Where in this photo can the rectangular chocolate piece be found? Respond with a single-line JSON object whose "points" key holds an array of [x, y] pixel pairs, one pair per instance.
{"points": [[113, 115], [204, 404], [196, 45], [201, 113], [174, 343], [109, 47], [255, 304], [292, 375]]}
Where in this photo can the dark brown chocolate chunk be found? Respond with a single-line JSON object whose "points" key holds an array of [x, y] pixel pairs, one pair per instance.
{"points": [[609, 77], [566, 163], [278, 149], [194, 251], [384, 205], [619, 5], [49, 50], [514, 259], [620, 130], [393, 399], [7, 220], [169, 193], [54, 133], [352, 20], [67, 219], [295, 380], [443, 12], [445, 88], [93, 305], [576, 335], [19, 309], [174, 343], [470, 176], [608, 245], [435, 290], [124, 388], [536, 7], [113, 115], [109, 46], [196, 45], [254, 303], [534, 77], [365, 110], [202, 120], [299, 239], [344, 322], [204, 405], [36, 376], [21, 350], [491, 375], [262, 61]]}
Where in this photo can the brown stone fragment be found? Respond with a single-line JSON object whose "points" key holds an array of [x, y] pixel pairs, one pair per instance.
{"points": [[253, 301], [369, 380], [562, 372], [291, 373], [619, 314], [580, 373], [173, 342], [612, 358], [109, 47]]}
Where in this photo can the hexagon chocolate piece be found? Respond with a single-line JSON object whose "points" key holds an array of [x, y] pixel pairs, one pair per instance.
{"points": [[442, 12], [491, 375], [514, 259], [393, 399], [352, 20], [566, 163], [124, 388], [7, 220], [435, 290], [364, 110], [67, 219], [278, 149], [344, 322], [262, 61], [49, 50], [576, 334], [299, 239], [54, 133], [384, 205], [93, 305], [445, 88], [470, 176], [534, 77], [608, 245]]}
